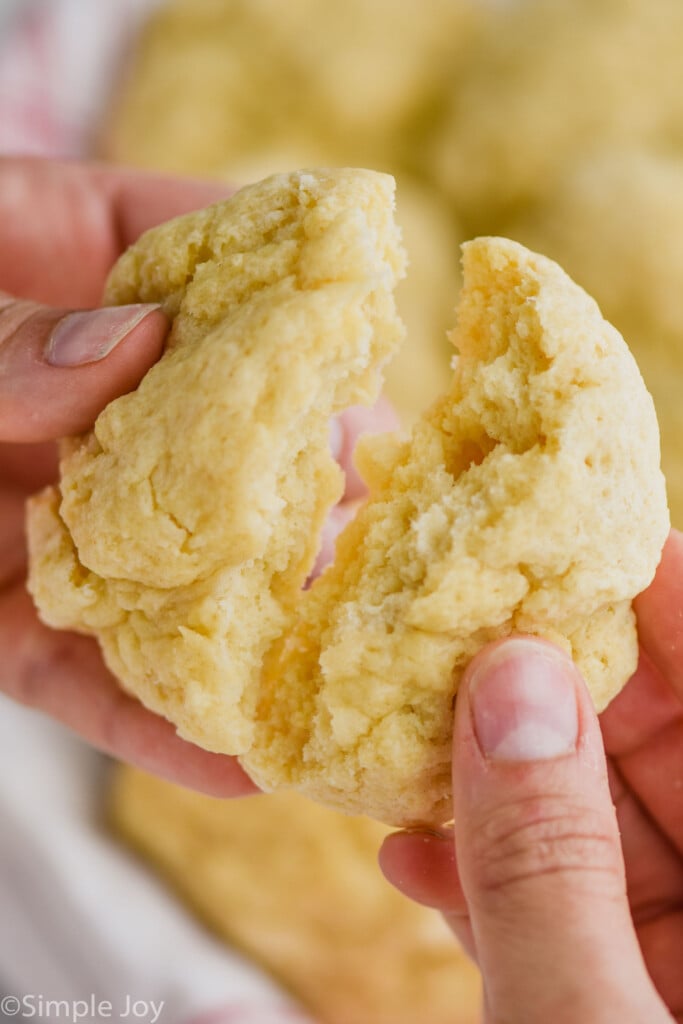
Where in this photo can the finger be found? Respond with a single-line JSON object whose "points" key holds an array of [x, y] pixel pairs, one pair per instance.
{"points": [[642, 729], [142, 200], [63, 675], [58, 370], [655, 774], [357, 420], [12, 544], [654, 869], [28, 466], [422, 866], [537, 844], [344, 433], [63, 224], [660, 614], [636, 715], [661, 941]]}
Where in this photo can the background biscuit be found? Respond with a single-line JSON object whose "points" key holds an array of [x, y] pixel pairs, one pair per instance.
{"points": [[298, 888]]}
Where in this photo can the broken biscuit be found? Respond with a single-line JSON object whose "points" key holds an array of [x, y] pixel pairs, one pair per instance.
{"points": [[527, 499]]}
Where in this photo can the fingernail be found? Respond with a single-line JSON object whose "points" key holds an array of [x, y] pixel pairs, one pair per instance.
{"points": [[90, 335], [336, 437], [523, 700]]}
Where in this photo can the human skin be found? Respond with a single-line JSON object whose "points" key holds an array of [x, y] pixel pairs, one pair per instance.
{"points": [[573, 912], [62, 226]]}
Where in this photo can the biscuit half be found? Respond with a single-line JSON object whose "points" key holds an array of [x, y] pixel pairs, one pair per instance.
{"points": [[528, 499], [185, 523]]}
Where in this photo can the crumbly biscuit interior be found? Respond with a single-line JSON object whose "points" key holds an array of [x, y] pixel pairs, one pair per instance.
{"points": [[482, 523]]}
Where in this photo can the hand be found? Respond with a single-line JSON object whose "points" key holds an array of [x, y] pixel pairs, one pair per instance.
{"points": [[572, 911], [61, 228]]}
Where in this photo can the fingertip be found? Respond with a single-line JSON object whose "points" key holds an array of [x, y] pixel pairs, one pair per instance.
{"points": [[216, 775], [90, 335], [152, 744], [421, 864], [54, 388], [519, 700], [125, 363]]}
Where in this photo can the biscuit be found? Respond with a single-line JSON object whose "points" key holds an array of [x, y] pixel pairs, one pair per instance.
{"points": [[545, 83], [529, 498], [297, 887], [425, 298], [187, 520]]}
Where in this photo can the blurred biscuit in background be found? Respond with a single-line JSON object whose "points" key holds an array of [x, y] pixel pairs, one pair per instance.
{"points": [[426, 300], [296, 886], [213, 80], [544, 83]]}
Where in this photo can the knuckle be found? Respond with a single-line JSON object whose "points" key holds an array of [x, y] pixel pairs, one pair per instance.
{"points": [[14, 313], [546, 836]]}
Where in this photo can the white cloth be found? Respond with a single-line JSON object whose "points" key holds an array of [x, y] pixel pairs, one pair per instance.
{"points": [[59, 60]]}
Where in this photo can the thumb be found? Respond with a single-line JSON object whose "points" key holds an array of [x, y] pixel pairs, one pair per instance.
{"points": [[58, 369], [537, 845]]}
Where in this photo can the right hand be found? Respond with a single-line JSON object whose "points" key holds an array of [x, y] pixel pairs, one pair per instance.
{"points": [[573, 914]]}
